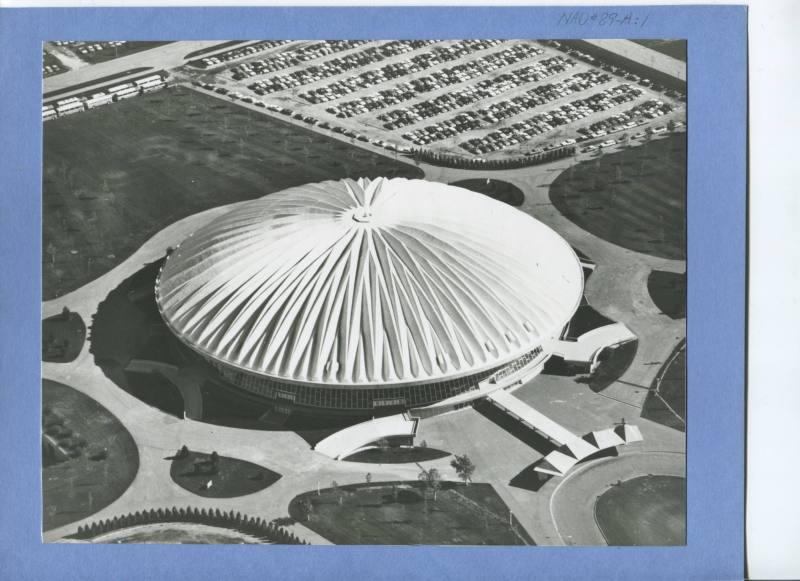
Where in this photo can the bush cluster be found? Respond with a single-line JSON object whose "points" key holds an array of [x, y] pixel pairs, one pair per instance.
{"points": [[256, 527], [456, 162]]}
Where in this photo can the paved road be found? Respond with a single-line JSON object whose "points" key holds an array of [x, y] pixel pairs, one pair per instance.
{"points": [[167, 56], [573, 500]]}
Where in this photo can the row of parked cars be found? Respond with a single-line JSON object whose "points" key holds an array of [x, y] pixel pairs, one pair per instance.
{"points": [[237, 53], [51, 65], [485, 89], [305, 118], [293, 57], [110, 94], [361, 59], [87, 48], [436, 80], [416, 64], [526, 129], [627, 75], [501, 110], [640, 113]]}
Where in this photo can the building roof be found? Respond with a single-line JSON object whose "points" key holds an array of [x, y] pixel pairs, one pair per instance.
{"points": [[364, 283]]}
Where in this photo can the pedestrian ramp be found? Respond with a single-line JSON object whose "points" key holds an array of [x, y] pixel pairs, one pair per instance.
{"points": [[530, 417], [344, 442]]}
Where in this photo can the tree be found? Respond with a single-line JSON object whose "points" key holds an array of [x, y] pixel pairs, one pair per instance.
{"points": [[305, 508], [431, 479], [463, 467]]}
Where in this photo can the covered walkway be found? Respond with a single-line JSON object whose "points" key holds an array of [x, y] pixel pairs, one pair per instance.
{"points": [[559, 462], [572, 449], [531, 418], [346, 441], [586, 348]]}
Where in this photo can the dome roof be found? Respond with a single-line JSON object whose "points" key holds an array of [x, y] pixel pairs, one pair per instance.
{"points": [[362, 283]]}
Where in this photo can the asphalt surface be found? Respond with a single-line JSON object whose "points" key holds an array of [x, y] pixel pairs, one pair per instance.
{"points": [[168, 56]]}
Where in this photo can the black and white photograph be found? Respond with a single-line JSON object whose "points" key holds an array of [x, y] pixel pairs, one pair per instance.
{"points": [[364, 292]]}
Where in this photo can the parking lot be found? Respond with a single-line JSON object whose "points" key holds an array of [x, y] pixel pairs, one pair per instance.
{"points": [[477, 99]]}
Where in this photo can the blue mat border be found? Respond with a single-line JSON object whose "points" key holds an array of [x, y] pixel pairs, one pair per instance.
{"points": [[716, 232]]}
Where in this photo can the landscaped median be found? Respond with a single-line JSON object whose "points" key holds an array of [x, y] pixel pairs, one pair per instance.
{"points": [[648, 510], [214, 476]]}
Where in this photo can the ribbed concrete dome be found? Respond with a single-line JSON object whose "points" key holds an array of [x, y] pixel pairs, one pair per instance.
{"points": [[358, 283]]}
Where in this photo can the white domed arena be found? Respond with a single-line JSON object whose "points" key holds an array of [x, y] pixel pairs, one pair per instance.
{"points": [[368, 296]]}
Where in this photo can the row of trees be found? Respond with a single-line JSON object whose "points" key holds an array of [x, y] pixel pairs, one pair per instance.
{"points": [[454, 161], [256, 527]]}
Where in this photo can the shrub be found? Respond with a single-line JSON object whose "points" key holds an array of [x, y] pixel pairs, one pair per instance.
{"points": [[242, 523]]}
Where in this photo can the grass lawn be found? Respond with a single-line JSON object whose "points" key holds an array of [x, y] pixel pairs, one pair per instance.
{"points": [[668, 291], [233, 477], [116, 175], [76, 487], [178, 533], [369, 514], [396, 455], [666, 402], [495, 189], [62, 337], [635, 198], [649, 510]]}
